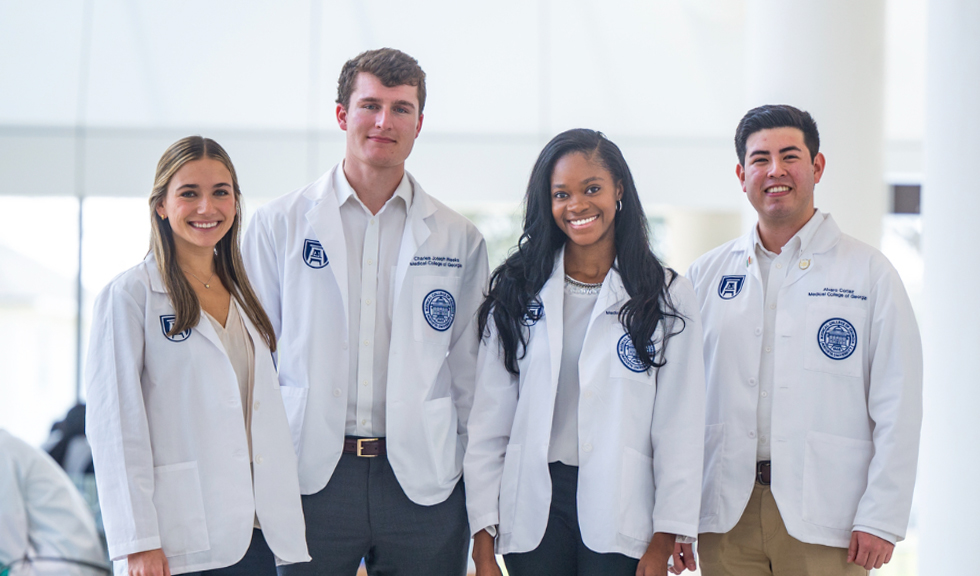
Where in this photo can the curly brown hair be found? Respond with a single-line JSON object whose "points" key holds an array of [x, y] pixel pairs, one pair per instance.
{"points": [[392, 67]]}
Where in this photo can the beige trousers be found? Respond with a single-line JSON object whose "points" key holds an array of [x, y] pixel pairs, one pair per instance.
{"points": [[759, 545]]}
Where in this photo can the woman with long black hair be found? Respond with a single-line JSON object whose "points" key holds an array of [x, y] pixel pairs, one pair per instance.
{"points": [[587, 429]]}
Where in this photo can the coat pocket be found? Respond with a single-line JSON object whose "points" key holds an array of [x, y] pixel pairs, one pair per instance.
{"points": [[714, 470], [509, 482], [179, 502], [835, 476], [636, 496], [294, 401], [441, 426]]}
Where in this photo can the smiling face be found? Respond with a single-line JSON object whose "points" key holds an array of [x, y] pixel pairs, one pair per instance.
{"points": [[583, 200], [200, 204], [779, 177], [381, 122]]}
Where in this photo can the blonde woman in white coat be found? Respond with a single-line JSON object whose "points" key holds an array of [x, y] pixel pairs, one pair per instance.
{"points": [[193, 458], [578, 459]]}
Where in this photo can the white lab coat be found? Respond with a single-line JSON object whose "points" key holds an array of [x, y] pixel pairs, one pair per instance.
{"points": [[430, 371], [639, 433], [41, 511], [164, 417], [845, 432]]}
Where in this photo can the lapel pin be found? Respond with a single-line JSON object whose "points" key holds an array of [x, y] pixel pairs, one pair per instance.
{"points": [[804, 263]]}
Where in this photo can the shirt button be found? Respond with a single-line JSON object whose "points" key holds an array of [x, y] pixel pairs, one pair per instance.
{"points": [[779, 265], [364, 383], [768, 349], [368, 301], [364, 422], [366, 343], [751, 381], [372, 221], [370, 262], [258, 459], [255, 407], [772, 306], [336, 392], [752, 434], [758, 331], [764, 394], [587, 447], [763, 440]]}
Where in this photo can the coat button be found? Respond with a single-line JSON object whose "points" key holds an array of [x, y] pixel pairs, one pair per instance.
{"points": [[751, 381], [336, 392], [758, 331], [752, 434], [258, 459]]}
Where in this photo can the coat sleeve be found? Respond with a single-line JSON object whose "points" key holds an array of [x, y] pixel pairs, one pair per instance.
{"points": [[263, 268], [116, 424], [677, 432], [494, 407], [462, 353], [895, 407]]}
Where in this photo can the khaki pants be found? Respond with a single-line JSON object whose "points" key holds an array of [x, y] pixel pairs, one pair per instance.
{"points": [[759, 544]]}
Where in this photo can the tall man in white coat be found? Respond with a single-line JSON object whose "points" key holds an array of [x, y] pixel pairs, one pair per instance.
{"points": [[814, 377], [372, 286]]}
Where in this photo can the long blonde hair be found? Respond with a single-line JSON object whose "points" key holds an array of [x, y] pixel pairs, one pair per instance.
{"points": [[228, 263]]}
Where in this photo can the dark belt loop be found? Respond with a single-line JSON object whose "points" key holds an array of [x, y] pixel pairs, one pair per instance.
{"points": [[763, 472]]}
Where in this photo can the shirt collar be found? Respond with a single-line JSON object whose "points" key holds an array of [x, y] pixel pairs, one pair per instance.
{"points": [[799, 242], [345, 192]]}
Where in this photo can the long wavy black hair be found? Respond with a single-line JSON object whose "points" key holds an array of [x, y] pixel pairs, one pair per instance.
{"points": [[515, 284]]}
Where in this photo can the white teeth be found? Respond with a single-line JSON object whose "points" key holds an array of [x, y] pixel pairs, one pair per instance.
{"points": [[775, 189], [204, 225], [584, 220]]}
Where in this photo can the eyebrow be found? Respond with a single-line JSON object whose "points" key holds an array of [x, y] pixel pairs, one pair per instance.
{"points": [[195, 186], [373, 100], [781, 151], [588, 180]]}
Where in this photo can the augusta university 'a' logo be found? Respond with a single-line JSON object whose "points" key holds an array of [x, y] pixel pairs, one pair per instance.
{"points": [[439, 309], [535, 312], [313, 254], [730, 286], [167, 322]]}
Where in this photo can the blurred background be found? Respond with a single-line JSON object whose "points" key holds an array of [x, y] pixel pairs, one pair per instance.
{"points": [[93, 91]]}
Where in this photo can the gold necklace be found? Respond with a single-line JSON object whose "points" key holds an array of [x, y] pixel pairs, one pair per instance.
{"points": [[206, 284]]}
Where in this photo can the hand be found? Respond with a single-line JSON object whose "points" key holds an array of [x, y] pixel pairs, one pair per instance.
{"points": [[868, 550], [483, 557], [654, 560], [148, 563], [683, 558]]}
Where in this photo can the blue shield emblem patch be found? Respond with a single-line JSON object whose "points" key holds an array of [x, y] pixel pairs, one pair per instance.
{"points": [[535, 312], [167, 322], [730, 286], [313, 254], [837, 338], [628, 356], [439, 309]]}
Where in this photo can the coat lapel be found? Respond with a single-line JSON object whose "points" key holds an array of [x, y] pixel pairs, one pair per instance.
{"points": [[552, 300], [324, 218], [416, 233]]}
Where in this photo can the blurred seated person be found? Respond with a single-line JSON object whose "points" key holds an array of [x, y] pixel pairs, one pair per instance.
{"points": [[42, 515], [67, 443]]}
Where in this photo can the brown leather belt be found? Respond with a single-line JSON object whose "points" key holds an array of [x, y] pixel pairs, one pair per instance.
{"points": [[763, 472], [364, 447]]}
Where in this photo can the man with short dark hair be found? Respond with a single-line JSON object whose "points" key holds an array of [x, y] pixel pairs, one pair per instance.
{"points": [[814, 376], [372, 286]]}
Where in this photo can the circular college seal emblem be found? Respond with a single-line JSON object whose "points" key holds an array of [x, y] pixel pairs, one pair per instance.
{"points": [[439, 309], [627, 354], [837, 338]]}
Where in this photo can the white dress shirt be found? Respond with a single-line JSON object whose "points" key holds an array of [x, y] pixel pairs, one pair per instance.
{"points": [[373, 242]]}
